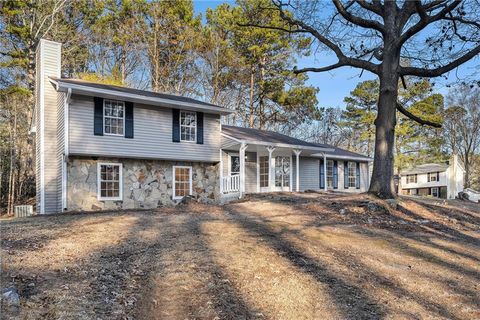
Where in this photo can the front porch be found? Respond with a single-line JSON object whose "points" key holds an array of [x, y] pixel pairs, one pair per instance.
{"points": [[257, 168]]}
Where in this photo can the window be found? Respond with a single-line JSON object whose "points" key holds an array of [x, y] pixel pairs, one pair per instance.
{"points": [[330, 173], [412, 178], [234, 165], [263, 172], [352, 174], [412, 192], [182, 181], [282, 171], [435, 192], [188, 126], [109, 181], [113, 117], [432, 176]]}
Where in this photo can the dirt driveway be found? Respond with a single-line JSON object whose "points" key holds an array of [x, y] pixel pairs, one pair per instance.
{"points": [[304, 256]]}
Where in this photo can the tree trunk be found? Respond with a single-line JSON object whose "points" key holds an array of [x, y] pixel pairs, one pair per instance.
{"points": [[381, 184], [466, 164], [251, 120]]}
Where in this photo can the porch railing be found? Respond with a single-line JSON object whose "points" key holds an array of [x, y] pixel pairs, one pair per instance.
{"points": [[231, 183]]}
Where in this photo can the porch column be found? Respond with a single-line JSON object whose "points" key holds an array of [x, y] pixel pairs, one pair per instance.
{"points": [[271, 168], [243, 147], [221, 171], [325, 172], [297, 169]]}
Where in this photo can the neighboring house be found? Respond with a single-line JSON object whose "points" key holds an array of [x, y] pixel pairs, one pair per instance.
{"points": [[109, 147], [432, 179]]}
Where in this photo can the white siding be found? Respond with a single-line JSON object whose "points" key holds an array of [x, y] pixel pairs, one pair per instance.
{"points": [[47, 170], [422, 181], [251, 172], [310, 175], [152, 135]]}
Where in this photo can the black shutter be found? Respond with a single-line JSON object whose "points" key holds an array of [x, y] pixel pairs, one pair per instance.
{"points": [[98, 116], [438, 176], [322, 175], [358, 176], [428, 176], [200, 127], [128, 119], [335, 174], [345, 174], [175, 125]]}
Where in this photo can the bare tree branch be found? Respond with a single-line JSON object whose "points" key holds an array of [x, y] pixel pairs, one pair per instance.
{"points": [[369, 24], [413, 117], [342, 58], [322, 69], [425, 20], [374, 7], [272, 28], [431, 73]]}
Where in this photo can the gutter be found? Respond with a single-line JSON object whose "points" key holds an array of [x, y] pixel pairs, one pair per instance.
{"points": [[114, 94], [279, 145]]}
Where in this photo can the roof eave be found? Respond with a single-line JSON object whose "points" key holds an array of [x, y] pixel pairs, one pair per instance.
{"points": [[86, 90], [340, 157], [278, 145]]}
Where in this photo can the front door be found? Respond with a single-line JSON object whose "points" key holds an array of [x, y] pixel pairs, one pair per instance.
{"points": [[282, 173]]}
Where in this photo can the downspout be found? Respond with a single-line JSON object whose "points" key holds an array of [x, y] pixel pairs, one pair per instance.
{"points": [[66, 150]]}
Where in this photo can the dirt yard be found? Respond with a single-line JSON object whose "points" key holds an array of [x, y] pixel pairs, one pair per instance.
{"points": [[303, 256]]}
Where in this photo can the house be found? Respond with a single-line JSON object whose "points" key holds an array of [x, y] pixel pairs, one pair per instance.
{"points": [[433, 179], [108, 147]]}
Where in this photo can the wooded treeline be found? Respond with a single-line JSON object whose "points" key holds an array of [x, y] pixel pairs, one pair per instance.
{"points": [[165, 46]]}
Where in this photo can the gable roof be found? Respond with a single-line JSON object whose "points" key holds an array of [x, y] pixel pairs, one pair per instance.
{"points": [[425, 168], [264, 136], [135, 95]]}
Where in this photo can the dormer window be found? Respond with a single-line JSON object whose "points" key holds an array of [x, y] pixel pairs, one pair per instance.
{"points": [[188, 126], [113, 117]]}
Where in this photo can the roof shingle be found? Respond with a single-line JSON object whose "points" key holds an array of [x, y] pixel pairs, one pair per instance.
{"points": [[249, 134]]}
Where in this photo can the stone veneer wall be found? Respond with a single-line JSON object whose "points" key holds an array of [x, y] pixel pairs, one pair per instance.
{"points": [[146, 184]]}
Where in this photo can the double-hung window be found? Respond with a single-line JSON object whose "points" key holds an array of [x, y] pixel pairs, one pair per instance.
{"points": [[182, 181], [109, 181], [435, 192], [352, 174], [330, 173], [188, 126], [412, 178], [113, 117], [432, 176], [263, 171]]}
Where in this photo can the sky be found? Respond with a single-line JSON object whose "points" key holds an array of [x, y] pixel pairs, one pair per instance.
{"points": [[337, 84]]}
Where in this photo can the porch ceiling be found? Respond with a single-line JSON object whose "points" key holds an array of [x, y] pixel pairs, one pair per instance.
{"points": [[262, 148]]}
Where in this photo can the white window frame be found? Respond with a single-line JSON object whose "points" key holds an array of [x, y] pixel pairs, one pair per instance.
{"points": [[354, 174], [414, 178], [99, 180], [174, 196], [432, 174], [330, 176], [264, 174], [438, 192], [188, 126], [111, 117], [230, 155]]}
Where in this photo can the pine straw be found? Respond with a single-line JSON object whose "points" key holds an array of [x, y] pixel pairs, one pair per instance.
{"points": [[282, 256]]}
